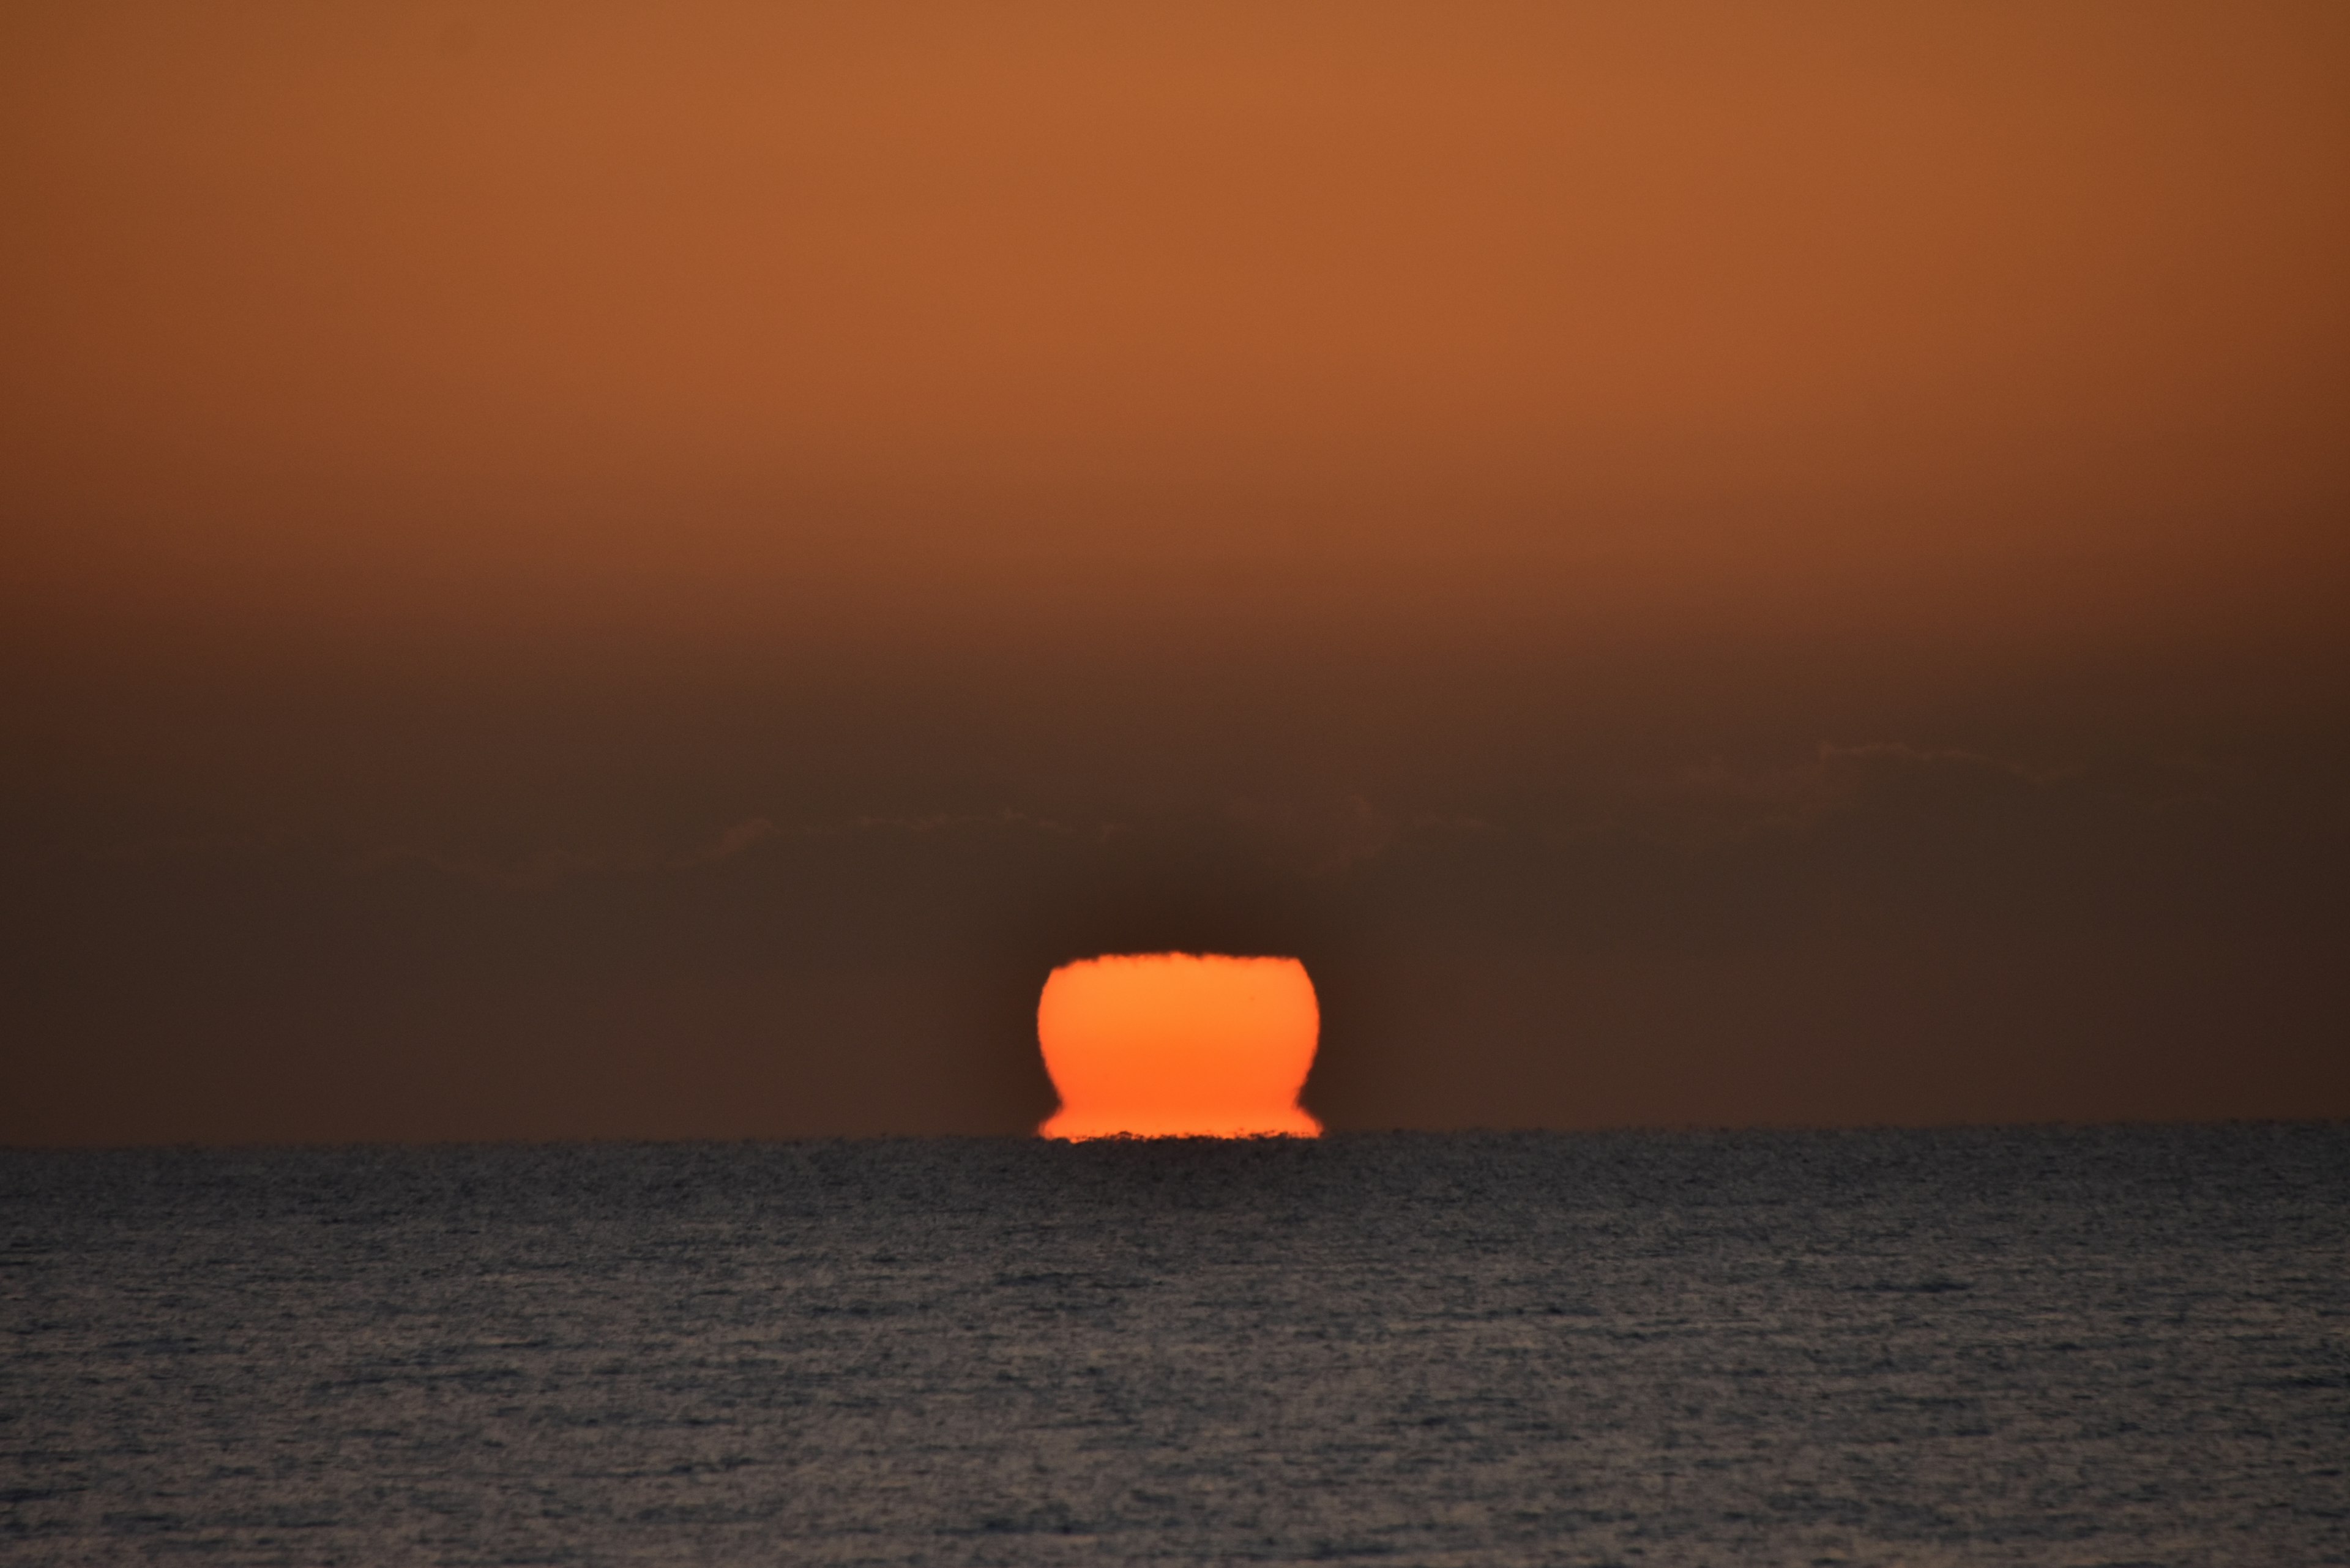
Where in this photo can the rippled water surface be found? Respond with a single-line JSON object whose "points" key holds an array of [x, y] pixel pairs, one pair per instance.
{"points": [[2125, 1346]]}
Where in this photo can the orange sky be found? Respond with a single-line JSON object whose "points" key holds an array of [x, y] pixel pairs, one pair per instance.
{"points": [[757, 312], [739, 535]]}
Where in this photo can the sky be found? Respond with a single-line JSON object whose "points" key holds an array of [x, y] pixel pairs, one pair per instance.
{"points": [[592, 571]]}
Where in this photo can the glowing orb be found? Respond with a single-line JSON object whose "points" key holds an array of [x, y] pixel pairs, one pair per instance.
{"points": [[1174, 1045]]}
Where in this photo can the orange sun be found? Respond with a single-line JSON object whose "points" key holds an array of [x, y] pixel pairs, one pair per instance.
{"points": [[1174, 1044]]}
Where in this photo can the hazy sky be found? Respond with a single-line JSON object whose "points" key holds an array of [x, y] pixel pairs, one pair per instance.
{"points": [[576, 570]]}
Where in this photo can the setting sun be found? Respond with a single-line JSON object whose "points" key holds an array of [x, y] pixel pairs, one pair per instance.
{"points": [[1177, 1044]]}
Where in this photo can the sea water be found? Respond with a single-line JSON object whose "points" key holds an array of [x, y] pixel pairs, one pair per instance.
{"points": [[2029, 1346]]}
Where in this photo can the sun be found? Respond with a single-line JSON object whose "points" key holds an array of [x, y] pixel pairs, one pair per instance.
{"points": [[1179, 1044]]}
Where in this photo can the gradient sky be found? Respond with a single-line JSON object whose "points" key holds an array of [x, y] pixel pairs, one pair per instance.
{"points": [[584, 571]]}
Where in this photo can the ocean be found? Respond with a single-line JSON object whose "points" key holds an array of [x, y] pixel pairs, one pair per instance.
{"points": [[2047, 1346]]}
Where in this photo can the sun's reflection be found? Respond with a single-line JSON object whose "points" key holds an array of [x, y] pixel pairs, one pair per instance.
{"points": [[1179, 1044]]}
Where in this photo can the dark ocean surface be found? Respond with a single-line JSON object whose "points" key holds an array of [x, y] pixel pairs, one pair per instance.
{"points": [[2097, 1347]]}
